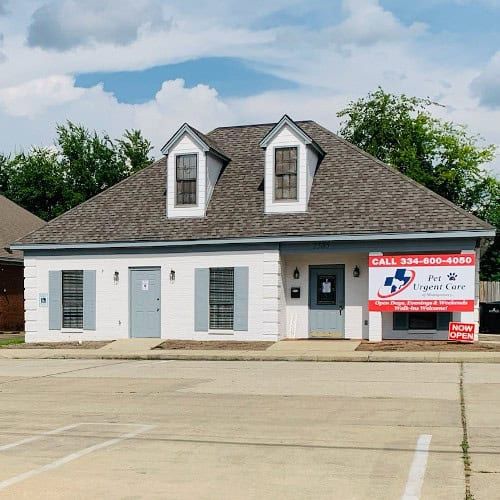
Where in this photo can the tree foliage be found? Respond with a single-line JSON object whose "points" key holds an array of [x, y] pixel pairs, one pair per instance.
{"points": [[401, 131], [49, 181]]}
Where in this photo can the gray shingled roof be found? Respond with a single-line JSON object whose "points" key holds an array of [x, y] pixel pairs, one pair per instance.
{"points": [[352, 193], [15, 222]]}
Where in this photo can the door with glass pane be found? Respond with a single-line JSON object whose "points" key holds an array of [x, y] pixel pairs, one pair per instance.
{"points": [[326, 301]]}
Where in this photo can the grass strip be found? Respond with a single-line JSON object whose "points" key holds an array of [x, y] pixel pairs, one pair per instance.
{"points": [[465, 439]]}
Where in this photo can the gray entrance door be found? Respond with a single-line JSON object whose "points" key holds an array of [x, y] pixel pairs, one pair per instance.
{"points": [[145, 302], [326, 301]]}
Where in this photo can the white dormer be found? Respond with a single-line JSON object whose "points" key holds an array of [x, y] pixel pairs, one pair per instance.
{"points": [[291, 160], [194, 164]]}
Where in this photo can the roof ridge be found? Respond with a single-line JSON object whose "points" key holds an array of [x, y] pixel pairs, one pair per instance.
{"points": [[92, 198], [251, 125], [395, 171]]}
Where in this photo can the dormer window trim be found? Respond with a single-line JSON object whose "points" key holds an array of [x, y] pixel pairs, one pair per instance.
{"points": [[282, 199], [202, 141], [185, 128], [196, 180], [286, 120]]}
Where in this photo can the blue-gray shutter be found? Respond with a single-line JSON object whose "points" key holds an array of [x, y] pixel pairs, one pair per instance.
{"points": [[201, 284], [55, 300], [89, 321], [443, 320], [399, 321], [240, 299]]}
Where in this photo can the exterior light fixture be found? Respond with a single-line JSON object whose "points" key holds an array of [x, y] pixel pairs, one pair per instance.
{"points": [[172, 275], [296, 274], [116, 277], [356, 272]]}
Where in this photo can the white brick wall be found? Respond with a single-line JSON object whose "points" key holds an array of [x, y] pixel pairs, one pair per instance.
{"points": [[177, 299], [356, 292]]}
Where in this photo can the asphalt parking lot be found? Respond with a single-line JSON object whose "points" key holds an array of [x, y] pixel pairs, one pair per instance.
{"points": [[246, 430]]}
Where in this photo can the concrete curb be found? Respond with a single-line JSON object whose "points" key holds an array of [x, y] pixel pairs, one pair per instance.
{"points": [[356, 356]]}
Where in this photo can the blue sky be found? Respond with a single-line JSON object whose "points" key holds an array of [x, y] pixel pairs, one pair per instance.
{"points": [[231, 76], [153, 64]]}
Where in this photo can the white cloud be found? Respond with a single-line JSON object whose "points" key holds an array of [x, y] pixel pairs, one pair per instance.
{"points": [[30, 112], [32, 98], [487, 85], [368, 23], [333, 65], [63, 25]]}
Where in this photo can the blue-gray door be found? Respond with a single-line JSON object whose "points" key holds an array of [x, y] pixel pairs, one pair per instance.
{"points": [[326, 300], [145, 302]]}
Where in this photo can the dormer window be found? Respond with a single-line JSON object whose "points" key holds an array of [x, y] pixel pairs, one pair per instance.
{"points": [[291, 160], [194, 165], [285, 173], [186, 173]]}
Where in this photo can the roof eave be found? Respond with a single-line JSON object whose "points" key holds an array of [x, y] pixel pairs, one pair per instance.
{"points": [[475, 233]]}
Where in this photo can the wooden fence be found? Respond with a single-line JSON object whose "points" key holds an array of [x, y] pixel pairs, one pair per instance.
{"points": [[489, 291]]}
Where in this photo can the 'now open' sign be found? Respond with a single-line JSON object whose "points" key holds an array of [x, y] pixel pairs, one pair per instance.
{"points": [[461, 332]]}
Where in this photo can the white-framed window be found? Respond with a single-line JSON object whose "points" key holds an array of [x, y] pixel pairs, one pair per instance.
{"points": [[285, 173], [186, 179], [221, 298], [72, 299]]}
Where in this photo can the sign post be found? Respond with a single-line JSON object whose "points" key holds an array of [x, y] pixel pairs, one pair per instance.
{"points": [[461, 332]]}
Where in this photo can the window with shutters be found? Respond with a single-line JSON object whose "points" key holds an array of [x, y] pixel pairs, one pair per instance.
{"points": [[285, 173], [186, 168], [72, 299], [221, 298]]}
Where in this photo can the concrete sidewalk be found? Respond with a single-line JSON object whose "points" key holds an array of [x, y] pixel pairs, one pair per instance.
{"points": [[269, 355]]}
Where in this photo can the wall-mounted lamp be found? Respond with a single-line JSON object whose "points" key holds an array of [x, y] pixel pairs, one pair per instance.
{"points": [[116, 277], [296, 274], [172, 275], [356, 272]]}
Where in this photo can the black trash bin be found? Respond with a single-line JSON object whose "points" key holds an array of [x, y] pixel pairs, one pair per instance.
{"points": [[489, 317]]}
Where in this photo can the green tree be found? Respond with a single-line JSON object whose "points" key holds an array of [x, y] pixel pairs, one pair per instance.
{"points": [[401, 131], [94, 162], [134, 149], [35, 180], [49, 181], [4, 175]]}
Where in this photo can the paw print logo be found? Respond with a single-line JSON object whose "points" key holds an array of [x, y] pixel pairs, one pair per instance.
{"points": [[452, 276]]}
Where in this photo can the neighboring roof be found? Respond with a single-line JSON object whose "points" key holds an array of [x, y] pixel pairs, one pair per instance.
{"points": [[205, 142], [287, 121], [352, 194], [15, 222]]}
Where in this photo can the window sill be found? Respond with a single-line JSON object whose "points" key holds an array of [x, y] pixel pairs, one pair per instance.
{"points": [[221, 332]]}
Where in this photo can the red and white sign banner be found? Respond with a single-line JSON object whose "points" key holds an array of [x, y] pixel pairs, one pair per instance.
{"points": [[422, 283], [461, 332]]}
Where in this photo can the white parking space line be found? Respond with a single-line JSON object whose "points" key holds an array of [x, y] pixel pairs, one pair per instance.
{"points": [[417, 470], [38, 436], [76, 455]]}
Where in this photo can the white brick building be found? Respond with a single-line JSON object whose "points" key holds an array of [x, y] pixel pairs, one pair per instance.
{"points": [[257, 232]]}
